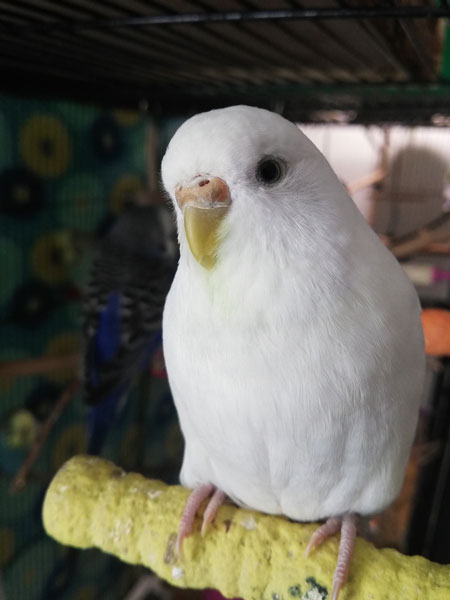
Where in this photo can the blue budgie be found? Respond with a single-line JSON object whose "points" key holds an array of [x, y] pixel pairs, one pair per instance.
{"points": [[121, 319]]}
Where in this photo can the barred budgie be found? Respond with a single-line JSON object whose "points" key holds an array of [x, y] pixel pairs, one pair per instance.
{"points": [[121, 319]]}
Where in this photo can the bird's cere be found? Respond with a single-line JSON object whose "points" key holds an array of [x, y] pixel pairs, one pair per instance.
{"points": [[203, 192], [205, 202]]}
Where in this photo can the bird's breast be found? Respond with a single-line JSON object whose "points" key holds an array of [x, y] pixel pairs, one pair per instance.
{"points": [[286, 396]]}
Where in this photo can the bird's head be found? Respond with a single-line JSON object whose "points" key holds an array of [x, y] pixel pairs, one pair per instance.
{"points": [[238, 172]]}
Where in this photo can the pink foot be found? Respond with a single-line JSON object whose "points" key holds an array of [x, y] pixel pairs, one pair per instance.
{"points": [[346, 545], [347, 525], [217, 500], [328, 529], [190, 510]]}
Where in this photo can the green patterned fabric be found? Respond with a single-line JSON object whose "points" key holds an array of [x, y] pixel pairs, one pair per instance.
{"points": [[66, 171]]}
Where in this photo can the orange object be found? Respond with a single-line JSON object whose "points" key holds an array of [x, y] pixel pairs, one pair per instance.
{"points": [[436, 328]]}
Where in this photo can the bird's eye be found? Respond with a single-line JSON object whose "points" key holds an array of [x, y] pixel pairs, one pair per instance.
{"points": [[269, 171]]}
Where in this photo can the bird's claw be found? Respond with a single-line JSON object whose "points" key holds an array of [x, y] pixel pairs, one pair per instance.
{"points": [[330, 527], [193, 503], [210, 512], [348, 525]]}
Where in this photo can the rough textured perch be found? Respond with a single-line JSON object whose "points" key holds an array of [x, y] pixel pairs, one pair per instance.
{"points": [[91, 502]]}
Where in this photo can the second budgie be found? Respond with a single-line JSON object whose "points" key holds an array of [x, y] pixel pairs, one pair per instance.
{"points": [[121, 319]]}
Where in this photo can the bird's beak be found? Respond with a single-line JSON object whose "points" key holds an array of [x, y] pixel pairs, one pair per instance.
{"points": [[204, 201]]}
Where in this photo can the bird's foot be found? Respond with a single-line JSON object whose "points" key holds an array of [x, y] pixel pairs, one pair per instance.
{"points": [[193, 503], [348, 526]]}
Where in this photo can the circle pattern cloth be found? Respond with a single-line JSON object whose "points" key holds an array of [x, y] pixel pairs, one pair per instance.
{"points": [[107, 138], [21, 193], [81, 202], [66, 171], [124, 192], [52, 256], [11, 267], [45, 145], [6, 155]]}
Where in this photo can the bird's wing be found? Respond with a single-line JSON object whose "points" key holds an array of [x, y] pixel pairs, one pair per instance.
{"points": [[121, 319]]}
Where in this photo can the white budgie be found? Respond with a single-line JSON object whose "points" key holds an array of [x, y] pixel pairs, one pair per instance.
{"points": [[292, 337]]}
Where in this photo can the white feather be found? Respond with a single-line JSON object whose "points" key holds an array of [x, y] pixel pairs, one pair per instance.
{"points": [[297, 363]]}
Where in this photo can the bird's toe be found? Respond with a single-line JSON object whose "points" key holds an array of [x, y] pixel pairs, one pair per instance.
{"points": [[193, 503], [348, 526], [346, 545], [329, 528], [215, 502]]}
